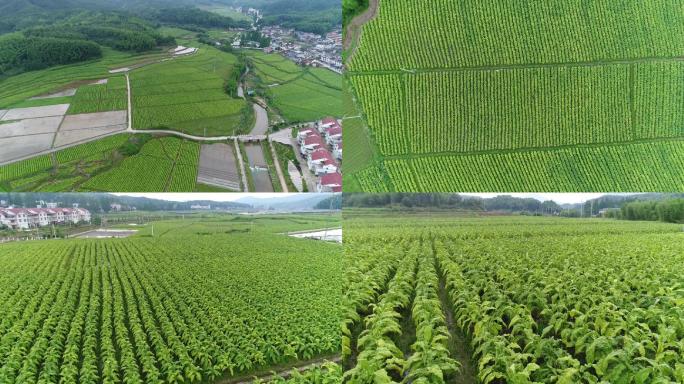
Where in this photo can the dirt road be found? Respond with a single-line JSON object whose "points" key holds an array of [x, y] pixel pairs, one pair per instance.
{"points": [[353, 31]]}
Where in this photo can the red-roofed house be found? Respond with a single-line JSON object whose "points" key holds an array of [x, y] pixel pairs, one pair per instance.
{"points": [[331, 182], [333, 135], [311, 143], [321, 162], [317, 156], [304, 133], [326, 123]]}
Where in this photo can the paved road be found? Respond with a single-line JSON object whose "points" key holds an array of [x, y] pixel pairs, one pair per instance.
{"points": [[241, 164], [279, 171]]}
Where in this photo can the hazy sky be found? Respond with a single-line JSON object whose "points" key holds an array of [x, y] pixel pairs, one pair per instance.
{"points": [[203, 196], [559, 198]]}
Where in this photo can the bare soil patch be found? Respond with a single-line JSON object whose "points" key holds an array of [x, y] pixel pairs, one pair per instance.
{"points": [[35, 112], [218, 167]]}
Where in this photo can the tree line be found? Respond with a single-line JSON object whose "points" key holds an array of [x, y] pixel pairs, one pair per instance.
{"points": [[502, 203], [669, 211], [351, 8], [20, 53]]}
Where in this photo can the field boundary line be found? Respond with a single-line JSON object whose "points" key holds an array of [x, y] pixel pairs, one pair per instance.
{"points": [[54, 137], [57, 149], [276, 164], [485, 68], [130, 106], [238, 154], [534, 149]]}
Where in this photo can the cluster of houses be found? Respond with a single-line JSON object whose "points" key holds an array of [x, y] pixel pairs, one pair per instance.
{"points": [[305, 48], [27, 218], [321, 146]]}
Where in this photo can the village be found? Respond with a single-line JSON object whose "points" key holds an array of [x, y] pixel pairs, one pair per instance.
{"points": [[42, 215], [321, 147], [304, 48]]}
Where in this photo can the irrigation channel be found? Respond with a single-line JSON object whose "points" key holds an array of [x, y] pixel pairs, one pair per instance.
{"points": [[258, 167]]}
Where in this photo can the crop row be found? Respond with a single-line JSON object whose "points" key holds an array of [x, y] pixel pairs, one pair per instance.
{"points": [[449, 34], [136, 174], [25, 167], [139, 311], [467, 111], [636, 167], [84, 151], [100, 98], [550, 309]]}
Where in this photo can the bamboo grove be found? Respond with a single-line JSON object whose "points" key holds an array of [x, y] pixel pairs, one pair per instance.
{"points": [[512, 300], [167, 309]]}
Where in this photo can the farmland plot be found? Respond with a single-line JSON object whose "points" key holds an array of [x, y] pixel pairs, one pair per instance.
{"points": [[187, 95], [100, 97], [438, 80], [497, 300], [162, 164], [299, 94], [168, 309]]}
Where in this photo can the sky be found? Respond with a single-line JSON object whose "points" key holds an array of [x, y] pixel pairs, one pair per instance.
{"points": [[203, 196], [559, 198]]}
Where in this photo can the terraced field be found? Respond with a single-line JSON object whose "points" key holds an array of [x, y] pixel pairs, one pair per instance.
{"points": [[443, 299], [456, 103]]}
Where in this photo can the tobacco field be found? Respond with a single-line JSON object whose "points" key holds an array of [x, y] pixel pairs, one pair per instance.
{"points": [[198, 301], [444, 299], [442, 80]]}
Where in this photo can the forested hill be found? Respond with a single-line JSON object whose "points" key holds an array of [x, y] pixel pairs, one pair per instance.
{"points": [[17, 15], [77, 37], [316, 16], [45, 33]]}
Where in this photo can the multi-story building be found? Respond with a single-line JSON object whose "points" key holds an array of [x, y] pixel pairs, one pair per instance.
{"points": [[26, 218]]}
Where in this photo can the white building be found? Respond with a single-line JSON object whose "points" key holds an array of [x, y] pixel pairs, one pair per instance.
{"points": [[26, 218]]}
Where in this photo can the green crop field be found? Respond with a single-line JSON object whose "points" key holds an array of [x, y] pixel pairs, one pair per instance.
{"points": [[17, 89], [299, 94], [444, 299], [162, 164], [100, 97], [198, 301], [186, 94], [465, 104]]}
